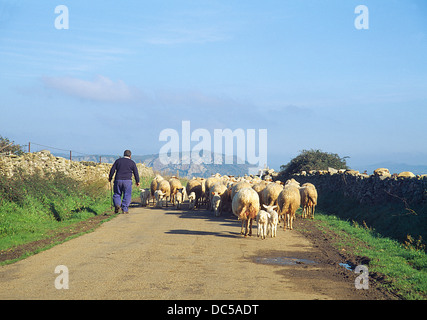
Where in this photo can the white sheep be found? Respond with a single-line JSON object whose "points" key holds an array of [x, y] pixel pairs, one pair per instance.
{"points": [[245, 206], [238, 186], [273, 220], [209, 183], [262, 222]]}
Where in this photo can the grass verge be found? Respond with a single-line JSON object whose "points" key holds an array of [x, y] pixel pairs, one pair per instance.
{"points": [[36, 208], [399, 267]]}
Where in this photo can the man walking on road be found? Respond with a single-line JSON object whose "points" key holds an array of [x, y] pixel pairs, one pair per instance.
{"points": [[124, 168]]}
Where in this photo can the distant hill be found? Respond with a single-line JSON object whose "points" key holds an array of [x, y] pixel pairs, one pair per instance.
{"points": [[195, 169], [183, 170]]}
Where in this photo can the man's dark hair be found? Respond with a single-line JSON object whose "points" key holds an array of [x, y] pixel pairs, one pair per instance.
{"points": [[127, 153]]}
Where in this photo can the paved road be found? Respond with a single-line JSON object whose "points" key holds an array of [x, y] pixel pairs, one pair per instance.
{"points": [[169, 254]]}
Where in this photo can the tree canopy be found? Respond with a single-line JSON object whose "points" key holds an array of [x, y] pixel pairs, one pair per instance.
{"points": [[313, 160]]}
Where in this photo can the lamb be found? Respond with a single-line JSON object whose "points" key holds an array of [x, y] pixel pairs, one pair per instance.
{"points": [[162, 192], [245, 206], [262, 222], [273, 220], [308, 195], [289, 201], [195, 192]]}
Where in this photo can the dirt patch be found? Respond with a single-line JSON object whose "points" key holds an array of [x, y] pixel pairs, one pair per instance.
{"points": [[343, 260], [54, 236]]}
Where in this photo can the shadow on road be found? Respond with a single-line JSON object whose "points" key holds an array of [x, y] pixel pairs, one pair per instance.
{"points": [[205, 233], [226, 219]]}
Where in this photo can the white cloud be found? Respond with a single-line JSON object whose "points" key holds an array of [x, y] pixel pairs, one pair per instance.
{"points": [[100, 89]]}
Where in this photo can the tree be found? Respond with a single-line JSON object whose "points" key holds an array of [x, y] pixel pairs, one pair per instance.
{"points": [[7, 146], [313, 160]]}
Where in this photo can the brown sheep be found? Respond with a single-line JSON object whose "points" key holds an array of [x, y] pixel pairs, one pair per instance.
{"points": [[175, 185], [209, 183], [259, 187], [245, 206], [153, 186], [271, 193], [194, 192], [163, 192], [308, 194], [289, 201]]}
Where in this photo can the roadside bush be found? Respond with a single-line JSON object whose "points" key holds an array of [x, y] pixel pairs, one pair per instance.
{"points": [[313, 160]]}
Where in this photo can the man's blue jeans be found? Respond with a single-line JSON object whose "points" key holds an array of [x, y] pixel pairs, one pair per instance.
{"points": [[122, 188]]}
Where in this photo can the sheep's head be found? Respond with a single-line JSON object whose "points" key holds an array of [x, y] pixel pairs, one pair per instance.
{"points": [[269, 208], [159, 194]]}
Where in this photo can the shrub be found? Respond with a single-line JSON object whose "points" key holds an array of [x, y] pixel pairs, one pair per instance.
{"points": [[7, 146], [313, 160]]}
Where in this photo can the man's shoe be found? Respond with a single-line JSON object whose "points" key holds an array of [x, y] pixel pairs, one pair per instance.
{"points": [[116, 209]]}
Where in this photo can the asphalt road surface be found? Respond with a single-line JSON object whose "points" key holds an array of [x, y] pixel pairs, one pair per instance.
{"points": [[177, 254]]}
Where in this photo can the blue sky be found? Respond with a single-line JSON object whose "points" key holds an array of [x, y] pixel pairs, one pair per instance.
{"points": [[126, 70]]}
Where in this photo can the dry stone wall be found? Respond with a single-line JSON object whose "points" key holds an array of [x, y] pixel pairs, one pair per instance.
{"points": [[377, 188], [43, 162]]}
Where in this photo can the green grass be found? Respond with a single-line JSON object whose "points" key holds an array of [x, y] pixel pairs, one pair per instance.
{"points": [[403, 265], [32, 206]]}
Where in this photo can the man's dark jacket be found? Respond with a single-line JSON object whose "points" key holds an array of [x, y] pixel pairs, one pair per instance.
{"points": [[124, 167]]}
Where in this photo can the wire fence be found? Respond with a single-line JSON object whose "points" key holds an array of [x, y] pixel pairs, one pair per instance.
{"points": [[70, 154]]}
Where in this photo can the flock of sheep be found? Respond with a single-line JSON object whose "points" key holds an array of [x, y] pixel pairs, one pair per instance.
{"points": [[249, 198]]}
